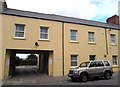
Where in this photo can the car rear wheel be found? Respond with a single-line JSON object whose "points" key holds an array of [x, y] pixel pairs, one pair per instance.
{"points": [[83, 77], [107, 75]]}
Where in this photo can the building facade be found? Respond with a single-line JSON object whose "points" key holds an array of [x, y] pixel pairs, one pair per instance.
{"points": [[119, 35], [61, 42]]}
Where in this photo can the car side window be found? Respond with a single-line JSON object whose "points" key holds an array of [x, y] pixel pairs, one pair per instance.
{"points": [[99, 64], [106, 63], [92, 64]]}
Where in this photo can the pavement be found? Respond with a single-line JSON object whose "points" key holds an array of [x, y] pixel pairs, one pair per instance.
{"points": [[29, 75], [0, 83]]}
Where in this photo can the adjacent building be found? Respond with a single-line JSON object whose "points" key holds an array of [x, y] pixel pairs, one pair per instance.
{"points": [[119, 35], [61, 42]]}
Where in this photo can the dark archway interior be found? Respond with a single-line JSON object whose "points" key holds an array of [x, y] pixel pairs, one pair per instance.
{"points": [[42, 60]]}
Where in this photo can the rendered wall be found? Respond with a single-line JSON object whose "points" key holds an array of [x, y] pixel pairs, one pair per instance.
{"points": [[1, 47], [83, 49], [32, 28]]}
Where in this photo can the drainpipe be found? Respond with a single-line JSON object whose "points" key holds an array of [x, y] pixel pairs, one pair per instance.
{"points": [[106, 41], [63, 47]]}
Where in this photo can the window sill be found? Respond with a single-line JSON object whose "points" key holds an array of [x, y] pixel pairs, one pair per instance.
{"points": [[73, 41], [73, 67], [92, 43], [19, 38], [115, 66], [113, 44], [47, 40]]}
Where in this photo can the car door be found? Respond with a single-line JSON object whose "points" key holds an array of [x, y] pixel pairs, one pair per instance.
{"points": [[92, 68], [99, 67]]}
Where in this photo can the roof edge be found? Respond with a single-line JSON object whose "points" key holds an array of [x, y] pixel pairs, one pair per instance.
{"points": [[60, 16]]}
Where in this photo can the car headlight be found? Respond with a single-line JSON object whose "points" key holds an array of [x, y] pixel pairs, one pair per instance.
{"points": [[76, 72]]}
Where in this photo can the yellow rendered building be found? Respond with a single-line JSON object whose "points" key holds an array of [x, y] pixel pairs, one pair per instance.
{"points": [[61, 42]]}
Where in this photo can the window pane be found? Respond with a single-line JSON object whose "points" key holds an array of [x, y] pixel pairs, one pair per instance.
{"points": [[91, 39], [74, 60], [91, 36], [114, 59], [84, 64], [73, 63], [19, 34], [20, 27], [106, 63], [73, 38], [44, 36], [73, 35], [92, 57], [44, 30], [99, 64], [44, 33], [19, 30], [92, 64], [112, 38], [16, 34]]}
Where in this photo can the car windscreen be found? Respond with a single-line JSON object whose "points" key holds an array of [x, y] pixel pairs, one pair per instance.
{"points": [[84, 64]]}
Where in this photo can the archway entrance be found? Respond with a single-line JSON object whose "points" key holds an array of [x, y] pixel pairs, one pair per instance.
{"points": [[36, 62]]}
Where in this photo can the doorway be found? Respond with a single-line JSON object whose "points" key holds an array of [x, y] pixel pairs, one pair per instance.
{"points": [[43, 62]]}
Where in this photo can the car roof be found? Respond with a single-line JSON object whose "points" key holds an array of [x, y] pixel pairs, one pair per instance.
{"points": [[97, 60]]}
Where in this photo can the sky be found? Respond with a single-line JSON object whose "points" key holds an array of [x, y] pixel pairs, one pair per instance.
{"points": [[97, 10], [24, 56]]}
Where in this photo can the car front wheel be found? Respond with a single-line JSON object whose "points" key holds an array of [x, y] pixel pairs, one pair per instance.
{"points": [[107, 75], [73, 79], [83, 77]]}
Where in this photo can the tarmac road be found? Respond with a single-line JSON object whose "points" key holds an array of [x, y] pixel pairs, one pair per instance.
{"points": [[28, 75]]}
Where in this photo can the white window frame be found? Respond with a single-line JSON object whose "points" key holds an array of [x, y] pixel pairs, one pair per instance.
{"points": [[112, 40], [73, 60], [76, 36], [44, 33], [19, 31], [116, 60], [92, 36]]}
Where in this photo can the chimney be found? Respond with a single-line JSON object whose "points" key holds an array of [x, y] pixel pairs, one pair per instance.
{"points": [[3, 5], [114, 20]]}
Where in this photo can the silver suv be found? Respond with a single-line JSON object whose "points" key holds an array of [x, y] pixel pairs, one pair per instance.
{"points": [[89, 69]]}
